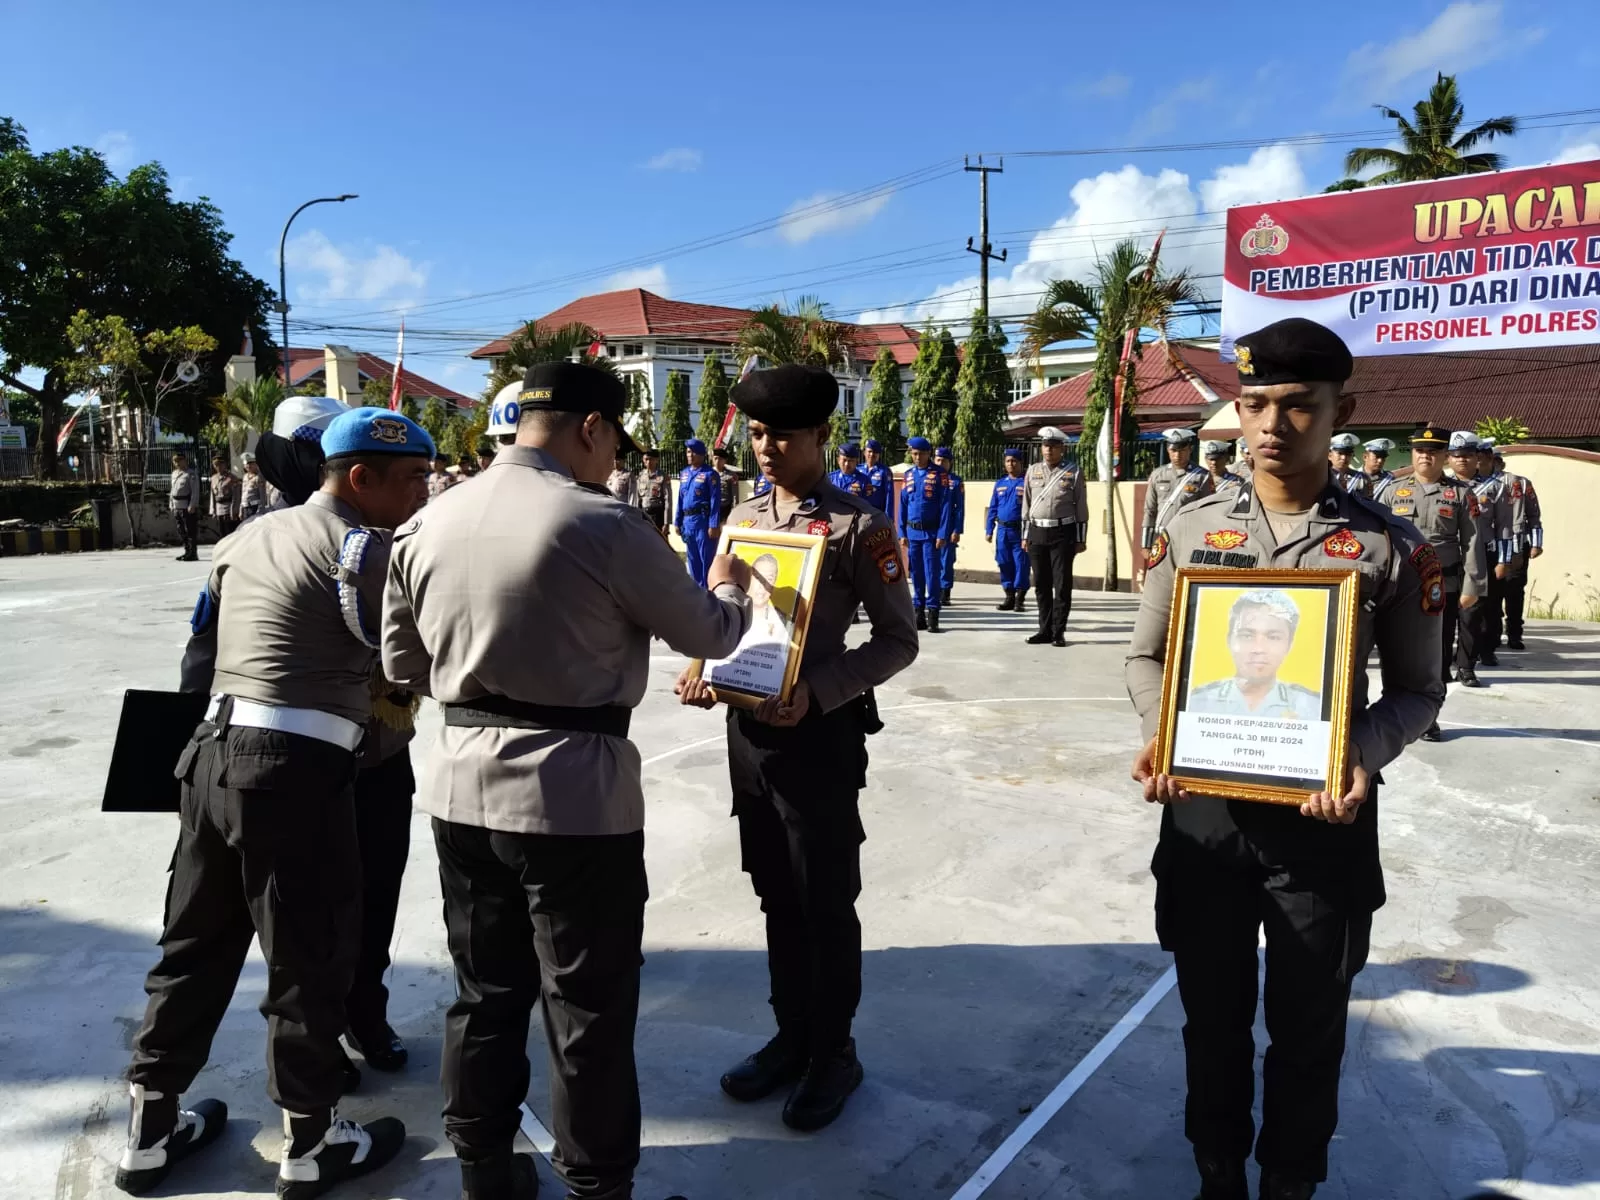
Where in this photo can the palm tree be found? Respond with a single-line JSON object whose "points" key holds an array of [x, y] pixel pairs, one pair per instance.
{"points": [[253, 404], [802, 334], [1431, 148], [533, 344]]}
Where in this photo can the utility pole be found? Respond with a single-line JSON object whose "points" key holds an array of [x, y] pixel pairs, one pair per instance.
{"points": [[983, 249]]}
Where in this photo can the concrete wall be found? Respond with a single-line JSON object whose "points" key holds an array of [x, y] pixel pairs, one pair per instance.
{"points": [[1568, 572], [975, 557]]}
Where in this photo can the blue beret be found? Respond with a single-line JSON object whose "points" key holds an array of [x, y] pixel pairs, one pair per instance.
{"points": [[1013, 452], [872, 444], [850, 450], [375, 431], [919, 443], [696, 445], [943, 452]]}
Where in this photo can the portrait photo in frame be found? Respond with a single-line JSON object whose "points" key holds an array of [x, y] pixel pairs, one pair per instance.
{"points": [[784, 568], [1257, 689]]}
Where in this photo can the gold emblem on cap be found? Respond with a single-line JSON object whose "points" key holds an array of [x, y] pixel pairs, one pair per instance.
{"points": [[534, 394], [387, 429], [1264, 237], [1246, 366]]}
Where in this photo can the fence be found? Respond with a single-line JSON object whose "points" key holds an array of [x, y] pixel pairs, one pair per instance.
{"points": [[152, 464]]}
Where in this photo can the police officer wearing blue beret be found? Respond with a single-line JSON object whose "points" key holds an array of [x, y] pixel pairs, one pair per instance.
{"points": [[945, 460], [1004, 516], [285, 639], [877, 473], [849, 477], [924, 520], [699, 510]]}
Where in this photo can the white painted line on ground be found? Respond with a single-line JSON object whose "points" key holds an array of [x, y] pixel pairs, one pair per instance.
{"points": [[1522, 733], [1064, 1091], [533, 1129]]}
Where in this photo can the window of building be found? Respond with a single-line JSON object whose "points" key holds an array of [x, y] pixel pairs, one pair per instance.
{"points": [[1021, 388], [849, 402], [632, 349]]}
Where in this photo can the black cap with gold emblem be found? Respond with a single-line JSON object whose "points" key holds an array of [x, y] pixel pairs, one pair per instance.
{"points": [[1430, 437], [578, 388], [1293, 350], [787, 397]]}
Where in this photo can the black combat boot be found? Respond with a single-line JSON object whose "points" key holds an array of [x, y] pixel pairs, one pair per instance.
{"points": [[1280, 1187], [944, 597], [820, 1096], [1008, 603], [1469, 678], [504, 1177], [381, 1047], [323, 1150], [1432, 733], [777, 1064], [160, 1135], [1221, 1179], [933, 620], [922, 619], [1022, 598], [1488, 659]]}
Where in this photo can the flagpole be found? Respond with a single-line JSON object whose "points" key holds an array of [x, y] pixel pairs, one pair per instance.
{"points": [[395, 396]]}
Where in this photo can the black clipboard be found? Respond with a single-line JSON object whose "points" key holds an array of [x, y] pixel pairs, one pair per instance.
{"points": [[151, 734]]}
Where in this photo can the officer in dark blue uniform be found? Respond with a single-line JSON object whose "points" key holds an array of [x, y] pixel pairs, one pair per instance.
{"points": [[878, 475], [849, 477], [1004, 515], [699, 510], [958, 520], [924, 522]]}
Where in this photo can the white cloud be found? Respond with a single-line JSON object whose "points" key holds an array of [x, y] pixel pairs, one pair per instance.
{"points": [[118, 149], [1579, 152], [1466, 34], [1109, 86], [382, 273], [817, 215], [651, 279], [1109, 207], [680, 158]]}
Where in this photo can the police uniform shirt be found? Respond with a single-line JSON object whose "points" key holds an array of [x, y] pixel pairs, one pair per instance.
{"points": [[727, 491], [183, 496], [1287, 701], [1446, 514], [1170, 488], [1005, 504], [285, 632], [699, 493], [1056, 495], [1380, 487], [222, 488], [926, 504], [1353, 480], [251, 491], [622, 485], [1227, 484], [861, 566], [1527, 521], [655, 492], [853, 482], [880, 479], [1401, 597], [532, 586], [1496, 517]]}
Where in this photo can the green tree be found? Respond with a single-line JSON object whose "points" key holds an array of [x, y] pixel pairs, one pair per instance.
{"points": [[932, 412], [839, 427], [1431, 146], [641, 410], [375, 392], [675, 427], [921, 402], [434, 418], [983, 386], [253, 404], [1504, 430], [880, 419], [713, 399], [1345, 185], [803, 333], [74, 237], [533, 344]]}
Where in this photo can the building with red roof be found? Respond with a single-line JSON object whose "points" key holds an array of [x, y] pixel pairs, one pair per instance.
{"points": [[1178, 384], [351, 369]]}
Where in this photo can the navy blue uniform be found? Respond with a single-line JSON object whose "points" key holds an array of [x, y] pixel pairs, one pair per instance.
{"points": [[925, 508], [699, 512], [958, 522], [881, 480], [1005, 515], [854, 482]]}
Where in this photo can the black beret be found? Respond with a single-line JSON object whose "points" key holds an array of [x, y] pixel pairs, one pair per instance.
{"points": [[787, 397], [1293, 350], [577, 388]]}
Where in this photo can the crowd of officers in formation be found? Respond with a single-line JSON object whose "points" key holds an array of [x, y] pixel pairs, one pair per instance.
{"points": [[525, 604]]}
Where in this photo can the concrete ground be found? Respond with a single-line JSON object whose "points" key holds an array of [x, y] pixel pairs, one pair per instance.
{"points": [[1007, 912]]}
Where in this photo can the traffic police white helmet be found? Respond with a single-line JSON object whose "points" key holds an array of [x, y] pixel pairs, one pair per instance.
{"points": [[505, 411], [303, 418], [1344, 441]]}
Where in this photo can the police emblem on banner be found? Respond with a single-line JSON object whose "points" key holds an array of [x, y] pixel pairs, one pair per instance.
{"points": [[1264, 237]]}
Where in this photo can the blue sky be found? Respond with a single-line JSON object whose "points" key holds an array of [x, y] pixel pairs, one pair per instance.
{"points": [[542, 153]]}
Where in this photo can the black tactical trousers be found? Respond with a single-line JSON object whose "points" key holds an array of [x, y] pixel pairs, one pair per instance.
{"points": [[1449, 624], [1516, 601], [795, 794], [383, 832], [1050, 555], [266, 847], [657, 516], [1208, 913], [1470, 634], [188, 529], [530, 917], [1493, 620]]}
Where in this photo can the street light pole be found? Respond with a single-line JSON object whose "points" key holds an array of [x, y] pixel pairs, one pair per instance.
{"points": [[283, 275]]}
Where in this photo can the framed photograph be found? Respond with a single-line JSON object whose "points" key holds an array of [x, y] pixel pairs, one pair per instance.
{"points": [[1255, 703], [784, 570]]}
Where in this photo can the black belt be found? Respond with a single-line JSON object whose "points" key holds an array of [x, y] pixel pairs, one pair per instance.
{"points": [[502, 712], [922, 527], [694, 512], [1009, 524]]}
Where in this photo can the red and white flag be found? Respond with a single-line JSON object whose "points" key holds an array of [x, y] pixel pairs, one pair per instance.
{"points": [[66, 430], [399, 365], [732, 414]]}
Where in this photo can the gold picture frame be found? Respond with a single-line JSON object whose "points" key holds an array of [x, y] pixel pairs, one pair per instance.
{"points": [[767, 660], [1229, 730]]}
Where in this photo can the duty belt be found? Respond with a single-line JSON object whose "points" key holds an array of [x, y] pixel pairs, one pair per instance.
{"points": [[1048, 522], [1010, 524], [922, 527], [306, 722], [694, 512], [502, 712]]}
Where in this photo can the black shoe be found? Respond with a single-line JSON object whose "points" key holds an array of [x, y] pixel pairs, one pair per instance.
{"points": [[922, 619], [319, 1154], [1021, 602], [1008, 603], [1040, 639], [819, 1098], [1279, 1187], [1221, 1179], [933, 620], [1469, 678], [1515, 644], [1058, 640], [945, 596], [1487, 659], [510, 1177], [777, 1064], [383, 1050], [1432, 734], [161, 1135], [350, 1078]]}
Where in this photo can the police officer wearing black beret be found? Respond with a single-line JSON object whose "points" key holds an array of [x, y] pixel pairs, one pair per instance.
{"points": [[797, 767], [1311, 877]]}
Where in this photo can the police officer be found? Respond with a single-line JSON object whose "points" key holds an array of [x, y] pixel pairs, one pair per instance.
{"points": [[655, 491], [1312, 877], [1261, 629], [1381, 482], [1527, 534], [1004, 514], [1055, 516], [1443, 510], [699, 510], [728, 482], [252, 488], [1492, 513], [183, 499], [1176, 483], [1341, 449], [1243, 463], [285, 637], [924, 521], [1215, 455], [945, 461], [622, 483], [878, 474], [525, 605], [224, 499], [1497, 502], [849, 477], [797, 767]]}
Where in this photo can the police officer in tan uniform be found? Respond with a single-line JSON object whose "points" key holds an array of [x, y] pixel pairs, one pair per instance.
{"points": [[1311, 876], [655, 491], [1055, 524], [1342, 449], [622, 483], [1179, 481], [1445, 511], [1497, 507], [525, 604], [1527, 543], [183, 499], [1223, 480], [797, 767]]}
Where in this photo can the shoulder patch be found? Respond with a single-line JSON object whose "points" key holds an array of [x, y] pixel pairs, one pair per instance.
{"points": [[409, 527], [1425, 561], [885, 552], [1158, 551]]}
